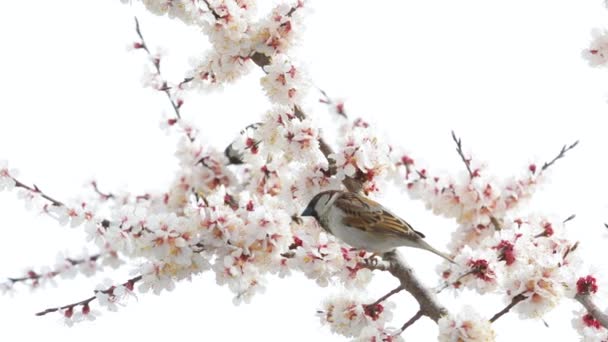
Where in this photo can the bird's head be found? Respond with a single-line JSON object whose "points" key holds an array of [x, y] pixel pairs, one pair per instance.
{"points": [[319, 204]]}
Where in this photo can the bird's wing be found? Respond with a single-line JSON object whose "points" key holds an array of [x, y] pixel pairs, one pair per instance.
{"points": [[368, 215]]}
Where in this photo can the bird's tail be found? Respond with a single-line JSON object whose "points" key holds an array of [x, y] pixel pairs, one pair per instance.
{"points": [[424, 245]]}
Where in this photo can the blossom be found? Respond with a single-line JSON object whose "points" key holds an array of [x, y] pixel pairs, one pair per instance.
{"points": [[588, 327], [7, 182], [347, 315], [280, 30], [467, 326], [284, 82], [597, 53]]}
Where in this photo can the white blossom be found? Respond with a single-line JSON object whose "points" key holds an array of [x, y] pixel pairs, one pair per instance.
{"points": [[467, 326]]}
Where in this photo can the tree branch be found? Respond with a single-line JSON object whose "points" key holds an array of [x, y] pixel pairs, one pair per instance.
{"points": [[388, 295], [85, 302], [35, 189], [520, 297], [466, 161], [166, 89], [561, 154], [593, 309], [410, 322], [34, 276], [429, 306]]}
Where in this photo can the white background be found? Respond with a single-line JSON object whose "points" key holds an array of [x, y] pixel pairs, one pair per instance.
{"points": [[506, 76]]}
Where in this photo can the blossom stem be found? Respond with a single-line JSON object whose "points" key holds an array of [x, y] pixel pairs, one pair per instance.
{"points": [[129, 283], [410, 322], [104, 196], [446, 285], [166, 89], [514, 301], [328, 101], [466, 161], [592, 308], [212, 10], [35, 189], [31, 275], [388, 295], [561, 154]]}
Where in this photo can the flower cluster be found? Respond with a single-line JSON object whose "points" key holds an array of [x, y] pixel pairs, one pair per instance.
{"points": [[242, 222], [363, 156], [347, 315], [468, 326], [588, 327], [284, 82]]}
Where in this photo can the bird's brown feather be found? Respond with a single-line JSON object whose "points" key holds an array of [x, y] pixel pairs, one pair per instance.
{"points": [[368, 215]]}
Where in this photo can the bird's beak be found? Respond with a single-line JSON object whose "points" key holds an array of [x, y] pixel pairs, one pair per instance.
{"points": [[309, 211]]}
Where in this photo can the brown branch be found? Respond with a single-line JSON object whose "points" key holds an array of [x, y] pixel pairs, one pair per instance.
{"points": [[166, 89], [446, 285], [387, 296], [592, 309], [410, 322], [466, 161], [104, 196], [561, 154], [85, 302], [328, 101], [34, 277], [570, 218], [514, 301], [37, 190], [429, 306], [212, 10]]}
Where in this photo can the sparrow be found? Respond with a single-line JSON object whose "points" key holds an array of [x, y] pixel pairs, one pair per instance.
{"points": [[364, 223]]}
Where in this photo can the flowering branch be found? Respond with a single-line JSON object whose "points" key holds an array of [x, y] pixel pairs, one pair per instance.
{"points": [[104, 196], [592, 308], [156, 61], [69, 308], [388, 295], [36, 190], [467, 162], [337, 107], [514, 301], [410, 322], [35, 277], [212, 10], [561, 154]]}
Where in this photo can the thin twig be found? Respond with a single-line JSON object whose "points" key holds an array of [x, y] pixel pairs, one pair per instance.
{"points": [[31, 275], [410, 322], [166, 89], [104, 196], [446, 285], [514, 301], [561, 154], [328, 101], [212, 10], [466, 161], [570, 218], [37, 190], [388, 295], [85, 302]]}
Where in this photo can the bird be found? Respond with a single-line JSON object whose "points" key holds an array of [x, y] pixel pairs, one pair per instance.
{"points": [[364, 224]]}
